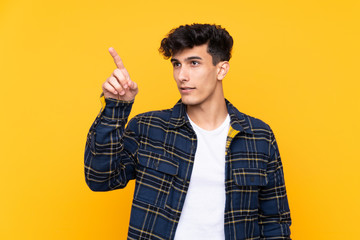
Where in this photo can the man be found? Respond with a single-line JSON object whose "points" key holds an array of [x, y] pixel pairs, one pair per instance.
{"points": [[203, 169]]}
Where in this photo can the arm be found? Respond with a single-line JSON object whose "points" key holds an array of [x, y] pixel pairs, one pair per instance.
{"points": [[111, 149], [275, 218]]}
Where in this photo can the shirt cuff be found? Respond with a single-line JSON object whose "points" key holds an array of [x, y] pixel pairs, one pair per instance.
{"points": [[115, 109]]}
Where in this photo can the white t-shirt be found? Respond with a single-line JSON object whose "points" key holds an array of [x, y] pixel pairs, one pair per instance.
{"points": [[202, 216]]}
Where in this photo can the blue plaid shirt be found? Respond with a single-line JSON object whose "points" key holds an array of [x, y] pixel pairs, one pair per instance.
{"points": [[157, 149]]}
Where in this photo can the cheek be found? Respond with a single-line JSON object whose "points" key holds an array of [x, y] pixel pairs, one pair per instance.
{"points": [[209, 79], [175, 76], [203, 75]]}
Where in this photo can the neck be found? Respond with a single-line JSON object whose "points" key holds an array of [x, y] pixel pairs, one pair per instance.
{"points": [[210, 114]]}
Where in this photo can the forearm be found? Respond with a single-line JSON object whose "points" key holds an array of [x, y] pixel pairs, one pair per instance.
{"points": [[274, 215], [108, 165]]}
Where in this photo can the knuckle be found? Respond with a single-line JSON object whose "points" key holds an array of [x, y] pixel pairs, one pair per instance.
{"points": [[111, 79], [117, 71], [106, 86], [120, 76], [122, 79], [105, 83]]}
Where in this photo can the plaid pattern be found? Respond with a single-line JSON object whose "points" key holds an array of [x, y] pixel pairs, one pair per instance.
{"points": [[157, 149]]}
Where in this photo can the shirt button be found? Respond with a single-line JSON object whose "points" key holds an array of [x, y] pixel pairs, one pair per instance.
{"points": [[252, 179]]}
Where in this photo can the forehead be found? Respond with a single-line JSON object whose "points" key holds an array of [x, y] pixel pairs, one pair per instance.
{"points": [[198, 51]]}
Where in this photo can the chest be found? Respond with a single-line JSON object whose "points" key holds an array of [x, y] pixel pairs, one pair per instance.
{"points": [[174, 151]]}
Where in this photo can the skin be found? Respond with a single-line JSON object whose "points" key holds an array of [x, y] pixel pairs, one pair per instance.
{"points": [[119, 85], [200, 86], [198, 80]]}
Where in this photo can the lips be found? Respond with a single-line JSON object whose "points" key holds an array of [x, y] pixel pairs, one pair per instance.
{"points": [[186, 89]]}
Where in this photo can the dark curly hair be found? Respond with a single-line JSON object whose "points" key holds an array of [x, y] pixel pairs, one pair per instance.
{"points": [[187, 36]]}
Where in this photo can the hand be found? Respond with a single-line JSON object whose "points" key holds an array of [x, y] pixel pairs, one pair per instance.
{"points": [[119, 85]]}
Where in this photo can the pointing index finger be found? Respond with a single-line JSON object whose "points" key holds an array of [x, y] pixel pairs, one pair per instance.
{"points": [[116, 58]]}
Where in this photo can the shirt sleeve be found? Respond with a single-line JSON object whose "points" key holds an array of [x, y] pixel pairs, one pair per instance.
{"points": [[274, 215], [111, 149]]}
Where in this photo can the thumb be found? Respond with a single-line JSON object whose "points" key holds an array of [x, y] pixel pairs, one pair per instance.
{"points": [[132, 85]]}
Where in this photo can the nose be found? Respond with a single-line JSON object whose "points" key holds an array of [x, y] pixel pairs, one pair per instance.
{"points": [[183, 74]]}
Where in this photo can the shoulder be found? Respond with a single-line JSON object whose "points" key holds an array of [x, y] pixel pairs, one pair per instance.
{"points": [[259, 130], [156, 118], [176, 112], [249, 123], [164, 114], [256, 123], [152, 124]]}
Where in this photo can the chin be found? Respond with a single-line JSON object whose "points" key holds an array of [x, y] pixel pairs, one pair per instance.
{"points": [[190, 101]]}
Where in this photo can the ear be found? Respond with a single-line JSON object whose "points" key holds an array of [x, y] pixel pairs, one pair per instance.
{"points": [[222, 69]]}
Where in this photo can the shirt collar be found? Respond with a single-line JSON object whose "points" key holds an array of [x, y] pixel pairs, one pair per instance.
{"points": [[237, 119]]}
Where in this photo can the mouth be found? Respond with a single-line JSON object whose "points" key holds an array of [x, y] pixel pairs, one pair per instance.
{"points": [[186, 89]]}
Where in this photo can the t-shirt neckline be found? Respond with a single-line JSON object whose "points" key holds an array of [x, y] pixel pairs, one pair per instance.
{"points": [[225, 123]]}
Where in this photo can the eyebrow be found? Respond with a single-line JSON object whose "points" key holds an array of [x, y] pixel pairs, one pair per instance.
{"points": [[187, 59]]}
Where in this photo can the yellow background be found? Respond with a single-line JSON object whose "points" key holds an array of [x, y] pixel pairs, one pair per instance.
{"points": [[295, 65]]}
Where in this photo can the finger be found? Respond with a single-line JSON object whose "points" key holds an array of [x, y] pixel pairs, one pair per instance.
{"points": [[117, 59], [121, 78], [114, 82], [133, 85], [126, 73], [123, 72], [109, 88]]}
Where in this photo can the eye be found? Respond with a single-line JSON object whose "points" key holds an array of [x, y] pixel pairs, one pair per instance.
{"points": [[176, 64], [194, 63]]}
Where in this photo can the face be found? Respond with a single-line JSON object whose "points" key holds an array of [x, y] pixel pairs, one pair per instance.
{"points": [[198, 80]]}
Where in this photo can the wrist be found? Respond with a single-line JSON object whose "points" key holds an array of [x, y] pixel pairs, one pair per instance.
{"points": [[116, 109]]}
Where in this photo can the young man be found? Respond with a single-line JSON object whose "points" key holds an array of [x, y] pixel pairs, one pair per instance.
{"points": [[203, 169]]}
